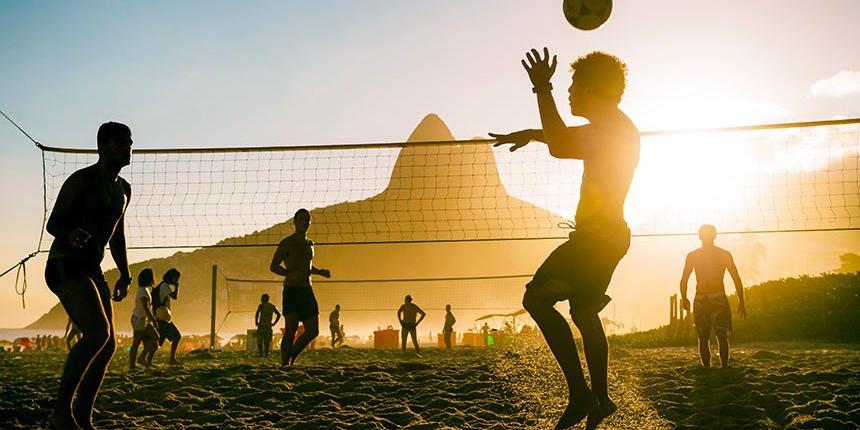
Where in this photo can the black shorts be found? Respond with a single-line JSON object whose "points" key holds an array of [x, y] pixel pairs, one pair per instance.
{"points": [[584, 265], [60, 270], [409, 326], [264, 332], [168, 330], [712, 312], [300, 301]]}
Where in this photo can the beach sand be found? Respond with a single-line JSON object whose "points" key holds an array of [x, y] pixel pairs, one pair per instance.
{"points": [[519, 386]]}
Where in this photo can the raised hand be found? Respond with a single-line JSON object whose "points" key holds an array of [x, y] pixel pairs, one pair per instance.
{"points": [[518, 139], [540, 70]]}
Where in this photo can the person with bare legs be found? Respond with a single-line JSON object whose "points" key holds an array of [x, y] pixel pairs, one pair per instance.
{"points": [[448, 328], [162, 297], [293, 260], [334, 327], [264, 323], [88, 215], [143, 322], [711, 309], [580, 269], [408, 325]]}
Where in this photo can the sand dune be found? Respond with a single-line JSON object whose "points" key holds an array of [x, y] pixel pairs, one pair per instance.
{"points": [[770, 386]]}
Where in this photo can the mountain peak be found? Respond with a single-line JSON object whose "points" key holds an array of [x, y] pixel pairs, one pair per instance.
{"points": [[430, 129]]}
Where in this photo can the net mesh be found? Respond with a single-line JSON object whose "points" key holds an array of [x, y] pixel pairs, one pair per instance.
{"points": [[752, 179]]}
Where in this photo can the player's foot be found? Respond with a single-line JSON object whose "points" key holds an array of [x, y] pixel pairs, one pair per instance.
{"points": [[576, 411], [600, 413], [176, 363], [141, 361]]}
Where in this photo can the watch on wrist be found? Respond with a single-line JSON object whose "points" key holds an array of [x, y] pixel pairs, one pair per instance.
{"points": [[543, 88]]}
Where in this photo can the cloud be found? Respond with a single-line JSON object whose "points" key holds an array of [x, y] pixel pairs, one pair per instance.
{"points": [[844, 83]]}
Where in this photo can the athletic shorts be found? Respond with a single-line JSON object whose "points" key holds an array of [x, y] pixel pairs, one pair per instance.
{"points": [[168, 331], [712, 311], [264, 332], [334, 328], [300, 301], [409, 326], [583, 266], [60, 270]]}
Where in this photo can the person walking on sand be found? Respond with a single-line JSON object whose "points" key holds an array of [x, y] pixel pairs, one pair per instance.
{"points": [[580, 269], [335, 327], [294, 261], [89, 215], [448, 328], [264, 323], [162, 297], [143, 322], [711, 309], [409, 326]]}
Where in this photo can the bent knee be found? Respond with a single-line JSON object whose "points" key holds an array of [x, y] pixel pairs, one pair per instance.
{"points": [[98, 336]]}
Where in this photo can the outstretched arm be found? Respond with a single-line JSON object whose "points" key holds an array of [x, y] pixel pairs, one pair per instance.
{"points": [[739, 287], [322, 272], [685, 277]]}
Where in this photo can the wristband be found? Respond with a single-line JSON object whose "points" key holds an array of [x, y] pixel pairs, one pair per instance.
{"points": [[545, 88]]}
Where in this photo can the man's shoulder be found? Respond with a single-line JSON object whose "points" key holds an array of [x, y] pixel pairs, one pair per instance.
{"points": [[126, 186]]}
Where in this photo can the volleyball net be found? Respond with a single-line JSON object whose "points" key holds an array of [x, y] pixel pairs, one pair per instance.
{"points": [[770, 178]]}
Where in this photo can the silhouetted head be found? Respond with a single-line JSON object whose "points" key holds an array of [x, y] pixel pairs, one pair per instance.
{"points": [[302, 220], [408, 299], [707, 234], [264, 298], [448, 308], [337, 307], [598, 82], [114, 143], [171, 276], [145, 278]]}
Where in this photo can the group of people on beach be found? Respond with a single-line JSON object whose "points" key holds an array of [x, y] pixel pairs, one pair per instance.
{"points": [[152, 318], [88, 215]]}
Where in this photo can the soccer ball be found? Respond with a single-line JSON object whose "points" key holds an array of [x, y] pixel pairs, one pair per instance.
{"points": [[587, 14]]}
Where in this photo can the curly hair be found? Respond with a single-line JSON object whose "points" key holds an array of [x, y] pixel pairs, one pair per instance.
{"points": [[601, 72]]}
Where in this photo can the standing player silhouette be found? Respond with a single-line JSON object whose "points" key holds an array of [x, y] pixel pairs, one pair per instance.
{"points": [[293, 260], [711, 308], [580, 269], [88, 215]]}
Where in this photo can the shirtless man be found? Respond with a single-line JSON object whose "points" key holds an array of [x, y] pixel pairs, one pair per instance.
{"points": [[334, 327], [264, 323], [448, 328], [409, 326], [87, 216], [293, 260], [711, 308], [580, 269]]}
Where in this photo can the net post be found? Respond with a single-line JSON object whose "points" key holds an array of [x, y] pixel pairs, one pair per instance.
{"points": [[212, 313]]}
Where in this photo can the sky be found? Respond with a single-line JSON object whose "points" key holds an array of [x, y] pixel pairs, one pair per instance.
{"points": [[299, 73]]}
